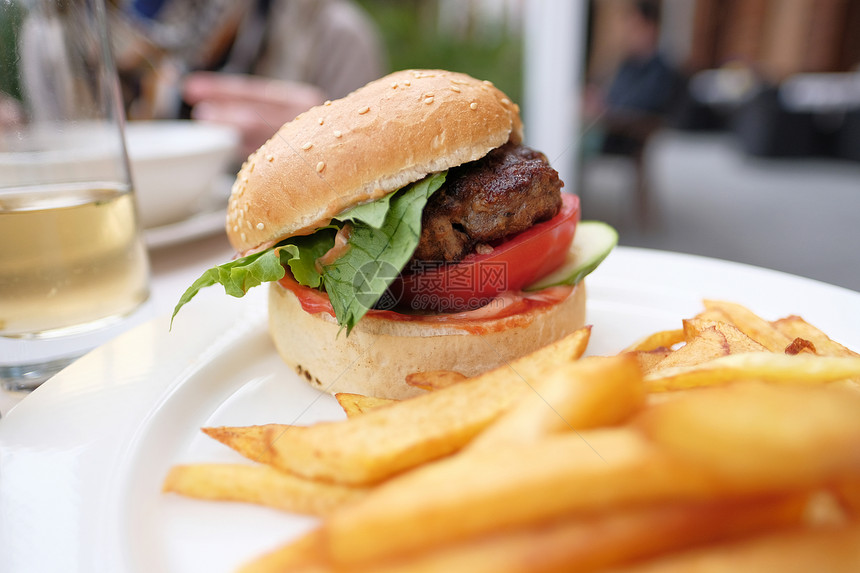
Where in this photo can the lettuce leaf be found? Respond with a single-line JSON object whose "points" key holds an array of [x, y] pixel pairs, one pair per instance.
{"points": [[240, 275], [236, 276], [382, 240], [357, 280], [372, 213], [305, 251]]}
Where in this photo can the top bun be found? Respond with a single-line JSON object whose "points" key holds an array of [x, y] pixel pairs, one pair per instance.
{"points": [[387, 134]]}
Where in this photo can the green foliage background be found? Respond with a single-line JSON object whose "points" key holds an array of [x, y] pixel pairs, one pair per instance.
{"points": [[10, 21], [412, 36]]}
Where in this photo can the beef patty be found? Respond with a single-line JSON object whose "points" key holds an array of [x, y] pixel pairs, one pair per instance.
{"points": [[507, 191]]}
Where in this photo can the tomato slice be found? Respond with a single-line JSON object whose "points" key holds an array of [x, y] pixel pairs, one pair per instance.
{"points": [[474, 281]]}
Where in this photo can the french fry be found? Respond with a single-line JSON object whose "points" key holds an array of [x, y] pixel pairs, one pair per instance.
{"points": [[801, 550], [649, 359], [571, 347], [591, 542], [701, 342], [305, 552], [847, 492], [592, 392], [661, 339], [757, 436], [795, 327], [763, 366], [737, 341], [610, 538], [369, 448], [706, 345], [258, 484], [713, 315], [434, 379], [584, 543], [492, 489], [824, 508], [250, 441], [751, 324], [357, 404], [385, 441]]}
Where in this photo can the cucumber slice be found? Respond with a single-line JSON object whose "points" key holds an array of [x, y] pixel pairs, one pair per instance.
{"points": [[593, 241]]}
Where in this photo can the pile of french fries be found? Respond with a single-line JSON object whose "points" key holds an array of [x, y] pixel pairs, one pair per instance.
{"points": [[730, 444]]}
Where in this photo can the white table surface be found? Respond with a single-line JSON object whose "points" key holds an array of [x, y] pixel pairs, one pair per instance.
{"points": [[173, 269]]}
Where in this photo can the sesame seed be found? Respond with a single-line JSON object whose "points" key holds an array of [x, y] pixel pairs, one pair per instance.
{"points": [[455, 89], [307, 145], [337, 133], [506, 101], [270, 157], [260, 226], [488, 83], [407, 83], [394, 85], [235, 228], [363, 110], [244, 236], [327, 102], [321, 120], [473, 105], [456, 81], [428, 100], [320, 166]]}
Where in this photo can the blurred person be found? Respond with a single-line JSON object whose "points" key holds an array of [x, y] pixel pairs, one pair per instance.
{"points": [[642, 89], [252, 64]]}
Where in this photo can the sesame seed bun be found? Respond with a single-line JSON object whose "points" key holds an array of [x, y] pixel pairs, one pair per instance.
{"points": [[387, 134], [379, 353]]}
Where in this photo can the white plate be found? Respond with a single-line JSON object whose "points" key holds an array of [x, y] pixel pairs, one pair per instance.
{"points": [[84, 456]]}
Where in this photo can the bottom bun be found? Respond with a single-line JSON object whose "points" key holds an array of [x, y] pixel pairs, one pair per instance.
{"points": [[380, 352]]}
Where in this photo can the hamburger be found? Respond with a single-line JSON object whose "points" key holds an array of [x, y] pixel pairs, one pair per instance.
{"points": [[407, 228]]}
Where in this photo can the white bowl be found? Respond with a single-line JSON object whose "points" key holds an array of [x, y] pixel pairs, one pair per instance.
{"points": [[174, 165]]}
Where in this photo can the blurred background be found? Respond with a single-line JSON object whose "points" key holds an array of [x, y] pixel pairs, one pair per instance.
{"points": [[726, 128]]}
